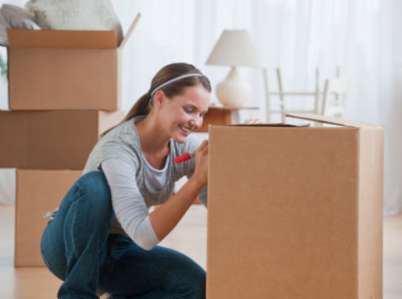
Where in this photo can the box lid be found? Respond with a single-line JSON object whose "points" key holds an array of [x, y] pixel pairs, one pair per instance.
{"points": [[332, 120], [130, 31], [22, 38], [83, 39]]}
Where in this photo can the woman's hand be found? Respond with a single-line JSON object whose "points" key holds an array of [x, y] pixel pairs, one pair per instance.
{"points": [[253, 121], [201, 164]]}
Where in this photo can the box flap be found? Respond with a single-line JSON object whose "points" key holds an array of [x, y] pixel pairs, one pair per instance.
{"points": [[130, 31], [331, 120], [272, 125], [265, 125], [21, 38]]}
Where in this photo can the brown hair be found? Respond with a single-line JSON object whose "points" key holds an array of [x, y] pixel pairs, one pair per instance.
{"points": [[144, 104]]}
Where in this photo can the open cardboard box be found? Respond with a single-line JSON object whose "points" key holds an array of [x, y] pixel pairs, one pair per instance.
{"points": [[65, 70], [37, 192], [295, 212], [51, 139]]}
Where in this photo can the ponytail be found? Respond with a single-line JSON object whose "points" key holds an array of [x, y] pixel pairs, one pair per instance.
{"points": [[141, 107]]}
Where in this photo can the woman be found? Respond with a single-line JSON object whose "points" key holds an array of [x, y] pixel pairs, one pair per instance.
{"points": [[103, 236]]}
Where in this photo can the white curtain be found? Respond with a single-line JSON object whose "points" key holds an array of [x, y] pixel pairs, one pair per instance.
{"points": [[360, 36]]}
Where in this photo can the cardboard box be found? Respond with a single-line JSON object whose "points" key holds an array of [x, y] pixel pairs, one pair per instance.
{"points": [[51, 139], [295, 212], [65, 70], [38, 192]]}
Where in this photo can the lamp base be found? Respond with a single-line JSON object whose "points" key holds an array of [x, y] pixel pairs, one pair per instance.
{"points": [[233, 92]]}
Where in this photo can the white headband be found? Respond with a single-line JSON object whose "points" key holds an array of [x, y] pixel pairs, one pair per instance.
{"points": [[174, 80]]}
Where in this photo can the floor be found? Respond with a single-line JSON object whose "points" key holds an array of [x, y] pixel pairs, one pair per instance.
{"points": [[189, 237]]}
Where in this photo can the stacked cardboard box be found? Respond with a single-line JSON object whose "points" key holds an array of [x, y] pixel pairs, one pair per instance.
{"points": [[64, 91], [38, 191], [295, 212], [65, 70]]}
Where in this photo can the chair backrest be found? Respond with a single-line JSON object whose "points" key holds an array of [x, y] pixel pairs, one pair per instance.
{"points": [[281, 93], [338, 87], [281, 97]]}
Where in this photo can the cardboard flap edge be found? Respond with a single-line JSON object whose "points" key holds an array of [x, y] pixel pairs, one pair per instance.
{"points": [[130, 31], [26, 38], [332, 120], [262, 125]]}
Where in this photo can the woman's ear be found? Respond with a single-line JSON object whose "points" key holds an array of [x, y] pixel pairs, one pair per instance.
{"points": [[159, 99]]}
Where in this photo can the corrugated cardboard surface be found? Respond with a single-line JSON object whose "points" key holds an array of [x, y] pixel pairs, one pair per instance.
{"points": [[51, 139], [65, 70], [63, 79], [38, 191], [72, 39], [283, 214], [371, 212]]}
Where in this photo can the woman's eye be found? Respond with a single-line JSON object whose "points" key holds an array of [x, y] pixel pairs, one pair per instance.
{"points": [[189, 110]]}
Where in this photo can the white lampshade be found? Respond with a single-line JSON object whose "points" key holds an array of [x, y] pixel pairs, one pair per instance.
{"points": [[234, 48]]}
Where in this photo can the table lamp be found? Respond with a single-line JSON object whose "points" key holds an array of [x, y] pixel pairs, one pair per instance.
{"points": [[234, 48]]}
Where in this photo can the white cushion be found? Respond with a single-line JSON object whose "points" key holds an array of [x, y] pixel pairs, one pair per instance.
{"points": [[18, 17], [3, 33], [75, 15]]}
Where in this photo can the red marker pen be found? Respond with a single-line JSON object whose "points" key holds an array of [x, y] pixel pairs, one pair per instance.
{"points": [[184, 157]]}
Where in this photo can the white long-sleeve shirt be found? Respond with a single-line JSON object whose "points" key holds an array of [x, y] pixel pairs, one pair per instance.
{"points": [[128, 204], [136, 186]]}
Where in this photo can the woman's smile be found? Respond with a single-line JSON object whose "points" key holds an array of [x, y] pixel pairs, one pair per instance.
{"points": [[185, 131]]}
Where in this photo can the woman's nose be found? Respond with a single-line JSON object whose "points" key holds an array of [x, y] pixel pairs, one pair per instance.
{"points": [[196, 122]]}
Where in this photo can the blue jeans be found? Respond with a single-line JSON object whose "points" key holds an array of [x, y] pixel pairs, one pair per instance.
{"points": [[78, 248]]}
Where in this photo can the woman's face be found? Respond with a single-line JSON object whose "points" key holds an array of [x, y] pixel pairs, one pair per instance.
{"points": [[183, 114]]}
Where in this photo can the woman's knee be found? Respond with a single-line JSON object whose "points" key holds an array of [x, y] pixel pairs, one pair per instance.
{"points": [[93, 196], [196, 283], [193, 282], [94, 181], [191, 275], [94, 186]]}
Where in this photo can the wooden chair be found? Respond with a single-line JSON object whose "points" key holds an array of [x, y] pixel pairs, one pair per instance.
{"points": [[335, 106], [281, 94]]}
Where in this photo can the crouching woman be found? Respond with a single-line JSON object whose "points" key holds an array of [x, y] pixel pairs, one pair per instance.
{"points": [[103, 236]]}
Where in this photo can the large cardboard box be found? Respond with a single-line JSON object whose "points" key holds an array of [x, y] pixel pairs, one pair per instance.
{"points": [[38, 192], [295, 212], [51, 139], [65, 70]]}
